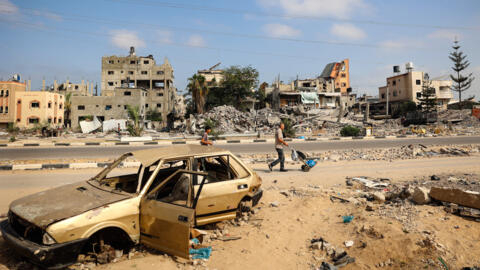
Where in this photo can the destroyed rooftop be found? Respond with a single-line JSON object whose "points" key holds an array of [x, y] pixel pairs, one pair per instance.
{"points": [[149, 156]]}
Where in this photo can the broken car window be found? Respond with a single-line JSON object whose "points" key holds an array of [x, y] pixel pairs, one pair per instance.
{"points": [[217, 168], [176, 190], [168, 168], [119, 177]]}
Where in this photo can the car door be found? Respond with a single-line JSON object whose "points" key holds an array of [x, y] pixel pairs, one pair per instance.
{"points": [[219, 199], [166, 219]]}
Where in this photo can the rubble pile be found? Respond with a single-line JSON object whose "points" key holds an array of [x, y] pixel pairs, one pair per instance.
{"points": [[458, 194], [230, 120], [386, 154], [463, 118]]}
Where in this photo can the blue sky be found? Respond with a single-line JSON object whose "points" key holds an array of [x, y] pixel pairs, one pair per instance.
{"points": [[290, 38]]}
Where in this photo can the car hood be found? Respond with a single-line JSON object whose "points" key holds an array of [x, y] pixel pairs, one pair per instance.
{"points": [[47, 207]]}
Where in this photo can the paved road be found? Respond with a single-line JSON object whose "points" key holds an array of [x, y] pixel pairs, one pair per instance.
{"points": [[68, 152]]}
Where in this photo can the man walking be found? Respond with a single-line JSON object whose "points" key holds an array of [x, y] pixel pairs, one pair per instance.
{"points": [[279, 143]]}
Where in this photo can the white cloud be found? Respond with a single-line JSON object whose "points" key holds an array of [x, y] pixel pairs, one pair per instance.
{"points": [[444, 34], [7, 7], [317, 8], [125, 38], [280, 30], [348, 31], [196, 41], [49, 15], [401, 44], [165, 36]]}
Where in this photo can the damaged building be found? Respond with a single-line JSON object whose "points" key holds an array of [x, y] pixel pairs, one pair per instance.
{"points": [[131, 80], [331, 89], [407, 86]]}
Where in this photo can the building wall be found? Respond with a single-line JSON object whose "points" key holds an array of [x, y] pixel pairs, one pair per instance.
{"points": [[7, 100], [108, 107], [140, 72], [342, 76], [408, 87], [212, 76], [38, 107]]}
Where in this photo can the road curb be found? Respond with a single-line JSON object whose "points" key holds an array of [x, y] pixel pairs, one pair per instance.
{"points": [[219, 142], [46, 166]]}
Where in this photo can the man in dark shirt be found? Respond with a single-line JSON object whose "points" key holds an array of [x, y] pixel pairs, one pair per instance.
{"points": [[205, 140]]}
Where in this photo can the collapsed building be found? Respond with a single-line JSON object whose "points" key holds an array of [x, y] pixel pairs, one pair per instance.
{"points": [[131, 80], [331, 89]]}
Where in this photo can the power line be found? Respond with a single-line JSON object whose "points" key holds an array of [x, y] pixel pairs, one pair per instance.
{"points": [[83, 18], [240, 11], [69, 30]]}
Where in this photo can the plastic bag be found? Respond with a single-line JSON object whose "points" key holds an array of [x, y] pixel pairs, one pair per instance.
{"points": [[294, 155]]}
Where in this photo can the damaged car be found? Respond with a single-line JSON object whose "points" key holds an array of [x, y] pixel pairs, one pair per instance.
{"points": [[172, 190]]}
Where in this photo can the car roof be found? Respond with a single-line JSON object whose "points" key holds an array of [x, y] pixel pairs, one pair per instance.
{"points": [[148, 156]]}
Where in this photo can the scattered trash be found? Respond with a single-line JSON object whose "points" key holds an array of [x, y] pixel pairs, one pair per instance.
{"points": [[349, 243], [229, 238], [327, 266], [347, 219], [443, 263], [201, 253]]}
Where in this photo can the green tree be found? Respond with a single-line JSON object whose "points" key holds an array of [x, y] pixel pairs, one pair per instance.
{"points": [[428, 99], [460, 63], [289, 131], [67, 106], [134, 115], [261, 96], [197, 87], [236, 85]]}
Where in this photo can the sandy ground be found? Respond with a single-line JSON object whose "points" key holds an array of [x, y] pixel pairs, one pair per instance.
{"points": [[279, 237]]}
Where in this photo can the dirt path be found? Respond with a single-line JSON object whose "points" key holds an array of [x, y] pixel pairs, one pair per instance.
{"points": [[279, 237]]}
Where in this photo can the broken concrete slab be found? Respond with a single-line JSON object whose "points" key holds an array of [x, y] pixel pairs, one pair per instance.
{"points": [[420, 195], [457, 196]]}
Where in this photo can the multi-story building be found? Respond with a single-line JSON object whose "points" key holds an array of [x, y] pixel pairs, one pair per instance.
{"points": [[331, 88], [129, 80], [335, 78], [108, 107], [141, 72], [408, 87], [25, 108]]}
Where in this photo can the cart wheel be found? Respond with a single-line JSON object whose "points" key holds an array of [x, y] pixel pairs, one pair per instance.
{"points": [[305, 168]]}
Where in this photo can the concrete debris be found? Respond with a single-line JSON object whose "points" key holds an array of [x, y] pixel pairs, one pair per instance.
{"points": [[462, 211], [420, 195], [457, 196], [89, 126]]}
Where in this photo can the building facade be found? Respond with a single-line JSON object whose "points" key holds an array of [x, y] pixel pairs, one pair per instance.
{"points": [[332, 88], [25, 109], [408, 87], [212, 76], [130, 80], [108, 107], [140, 72]]}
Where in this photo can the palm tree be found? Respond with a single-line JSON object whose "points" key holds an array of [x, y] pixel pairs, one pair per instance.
{"points": [[197, 87], [134, 114], [67, 106]]}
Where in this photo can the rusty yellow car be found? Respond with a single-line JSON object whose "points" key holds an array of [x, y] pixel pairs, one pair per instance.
{"points": [[157, 204]]}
